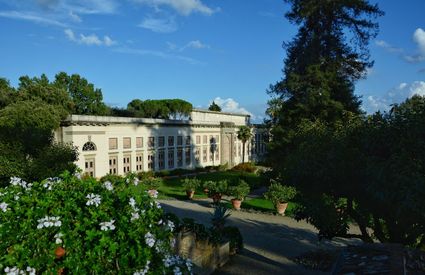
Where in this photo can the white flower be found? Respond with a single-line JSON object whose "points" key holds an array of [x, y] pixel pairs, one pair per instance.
{"points": [[50, 182], [19, 182], [48, 222], [134, 216], [153, 193], [93, 199], [170, 225], [132, 202], [177, 271], [149, 239], [108, 185], [160, 222], [16, 271], [30, 270], [77, 175], [158, 204], [136, 181], [3, 206], [58, 238], [106, 226], [144, 271]]}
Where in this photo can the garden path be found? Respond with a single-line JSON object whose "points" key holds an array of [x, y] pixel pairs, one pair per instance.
{"points": [[270, 241]]}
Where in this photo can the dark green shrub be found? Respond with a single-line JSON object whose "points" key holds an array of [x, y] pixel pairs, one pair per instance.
{"points": [[245, 167]]}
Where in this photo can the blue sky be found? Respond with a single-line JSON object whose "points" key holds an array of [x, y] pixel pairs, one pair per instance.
{"points": [[197, 50]]}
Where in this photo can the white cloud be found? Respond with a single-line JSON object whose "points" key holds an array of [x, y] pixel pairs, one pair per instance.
{"points": [[29, 16], [395, 95], [91, 39], [231, 106], [75, 17], [385, 45], [183, 7], [419, 39], [196, 44], [91, 6], [160, 25], [155, 53]]}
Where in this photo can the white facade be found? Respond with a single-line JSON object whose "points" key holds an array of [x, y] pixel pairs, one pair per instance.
{"points": [[118, 145]]}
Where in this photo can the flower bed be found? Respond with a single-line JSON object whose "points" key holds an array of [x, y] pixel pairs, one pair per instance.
{"points": [[82, 226]]}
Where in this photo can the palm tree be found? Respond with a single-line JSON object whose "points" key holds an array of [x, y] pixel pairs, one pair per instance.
{"points": [[244, 134]]}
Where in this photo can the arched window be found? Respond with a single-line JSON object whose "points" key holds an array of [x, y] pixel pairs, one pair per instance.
{"points": [[89, 146]]}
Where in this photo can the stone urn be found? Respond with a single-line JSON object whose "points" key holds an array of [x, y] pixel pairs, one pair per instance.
{"points": [[190, 194], [236, 204], [281, 208]]}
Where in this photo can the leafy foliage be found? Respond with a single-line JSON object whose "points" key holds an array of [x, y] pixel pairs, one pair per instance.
{"points": [[108, 229], [165, 108], [239, 191], [369, 170], [191, 184], [278, 193], [214, 107]]}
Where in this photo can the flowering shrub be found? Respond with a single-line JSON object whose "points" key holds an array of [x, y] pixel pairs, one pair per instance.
{"points": [[102, 228]]}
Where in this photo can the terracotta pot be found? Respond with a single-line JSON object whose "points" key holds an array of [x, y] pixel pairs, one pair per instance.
{"points": [[206, 191], [281, 207], [236, 204], [59, 252], [190, 194], [216, 198]]}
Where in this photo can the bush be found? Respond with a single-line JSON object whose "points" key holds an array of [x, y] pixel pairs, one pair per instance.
{"points": [[111, 178], [152, 183], [101, 228], [191, 184], [245, 167], [278, 193], [240, 191], [145, 175]]}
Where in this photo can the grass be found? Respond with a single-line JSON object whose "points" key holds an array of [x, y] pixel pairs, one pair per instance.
{"points": [[172, 188]]}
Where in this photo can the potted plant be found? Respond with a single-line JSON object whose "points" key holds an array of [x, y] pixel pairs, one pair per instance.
{"points": [[152, 184], [219, 216], [280, 195], [190, 185], [208, 185], [217, 190], [239, 192]]}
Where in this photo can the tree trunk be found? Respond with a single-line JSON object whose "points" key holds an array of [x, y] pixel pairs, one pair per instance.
{"points": [[243, 152]]}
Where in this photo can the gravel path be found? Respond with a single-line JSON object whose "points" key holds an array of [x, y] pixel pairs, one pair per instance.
{"points": [[270, 241]]}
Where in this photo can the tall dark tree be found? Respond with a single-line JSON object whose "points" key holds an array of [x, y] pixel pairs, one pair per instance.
{"points": [[244, 135], [214, 107], [324, 60]]}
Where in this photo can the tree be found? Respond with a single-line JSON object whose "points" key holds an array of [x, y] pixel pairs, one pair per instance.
{"points": [[7, 93], [87, 99], [244, 134], [214, 107], [165, 108], [327, 56], [26, 142]]}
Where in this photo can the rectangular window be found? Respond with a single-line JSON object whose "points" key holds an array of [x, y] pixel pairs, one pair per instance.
{"points": [[113, 165], [179, 157], [126, 143], [161, 141], [126, 164], [139, 162], [113, 143], [205, 139], [198, 154], [151, 142], [187, 140], [90, 168], [204, 154], [170, 158], [187, 156], [179, 140], [139, 142], [217, 154], [161, 159], [171, 141], [198, 140], [151, 161]]}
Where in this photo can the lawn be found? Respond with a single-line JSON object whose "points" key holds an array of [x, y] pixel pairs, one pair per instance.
{"points": [[172, 188]]}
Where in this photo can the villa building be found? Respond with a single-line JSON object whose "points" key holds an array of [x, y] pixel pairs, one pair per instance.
{"points": [[118, 145]]}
